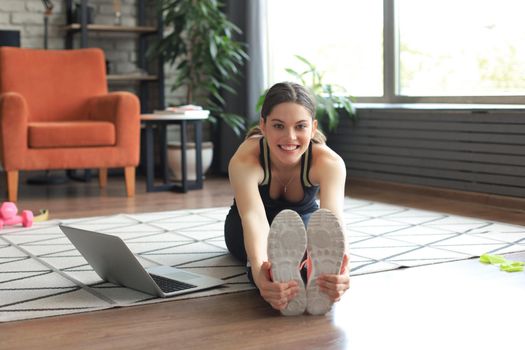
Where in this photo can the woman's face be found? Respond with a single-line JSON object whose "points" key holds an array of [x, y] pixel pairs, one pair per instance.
{"points": [[288, 130]]}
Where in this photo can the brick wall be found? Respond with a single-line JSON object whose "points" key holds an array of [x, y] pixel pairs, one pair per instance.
{"points": [[27, 16]]}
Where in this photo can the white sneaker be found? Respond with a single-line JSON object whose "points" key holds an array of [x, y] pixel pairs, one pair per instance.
{"points": [[326, 249], [286, 248]]}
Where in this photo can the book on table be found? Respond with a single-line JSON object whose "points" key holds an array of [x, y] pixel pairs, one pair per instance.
{"points": [[187, 111]]}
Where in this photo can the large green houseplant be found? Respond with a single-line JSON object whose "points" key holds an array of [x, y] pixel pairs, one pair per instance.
{"points": [[330, 98], [204, 59], [199, 46]]}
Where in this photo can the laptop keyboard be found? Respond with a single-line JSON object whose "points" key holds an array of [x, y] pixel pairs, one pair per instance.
{"points": [[168, 285]]}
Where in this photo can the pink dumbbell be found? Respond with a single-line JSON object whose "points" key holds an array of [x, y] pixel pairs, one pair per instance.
{"points": [[8, 215]]}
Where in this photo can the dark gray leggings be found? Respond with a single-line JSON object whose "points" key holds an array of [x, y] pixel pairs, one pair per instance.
{"points": [[234, 238]]}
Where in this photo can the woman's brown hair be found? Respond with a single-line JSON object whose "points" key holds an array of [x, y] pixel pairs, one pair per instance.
{"points": [[288, 92]]}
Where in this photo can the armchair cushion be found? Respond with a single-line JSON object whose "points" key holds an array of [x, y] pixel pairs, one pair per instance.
{"points": [[71, 134]]}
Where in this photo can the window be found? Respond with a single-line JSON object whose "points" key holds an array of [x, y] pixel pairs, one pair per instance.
{"points": [[343, 38], [461, 48], [404, 50]]}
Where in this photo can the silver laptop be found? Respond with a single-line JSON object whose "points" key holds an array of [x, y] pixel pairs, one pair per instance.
{"points": [[114, 262]]}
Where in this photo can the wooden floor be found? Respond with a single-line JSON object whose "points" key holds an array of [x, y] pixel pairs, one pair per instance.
{"points": [[436, 307], [80, 199]]}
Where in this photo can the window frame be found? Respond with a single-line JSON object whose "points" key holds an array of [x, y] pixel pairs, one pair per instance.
{"points": [[391, 90]]}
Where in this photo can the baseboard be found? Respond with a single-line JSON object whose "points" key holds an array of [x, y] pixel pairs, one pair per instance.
{"points": [[515, 203]]}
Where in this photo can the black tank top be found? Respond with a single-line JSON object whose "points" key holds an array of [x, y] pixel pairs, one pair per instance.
{"points": [[304, 207]]}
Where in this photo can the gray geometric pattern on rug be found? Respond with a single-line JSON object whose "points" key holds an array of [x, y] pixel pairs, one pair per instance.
{"points": [[42, 274]]}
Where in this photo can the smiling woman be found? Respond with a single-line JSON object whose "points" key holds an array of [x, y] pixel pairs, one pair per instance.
{"points": [[265, 227]]}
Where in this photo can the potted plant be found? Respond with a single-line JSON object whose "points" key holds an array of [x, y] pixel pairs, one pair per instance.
{"points": [[329, 97], [200, 47]]}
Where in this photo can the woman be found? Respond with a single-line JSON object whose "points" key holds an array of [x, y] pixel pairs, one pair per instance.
{"points": [[282, 164]]}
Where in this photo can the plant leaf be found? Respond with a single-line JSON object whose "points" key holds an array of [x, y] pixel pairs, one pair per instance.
{"points": [[199, 47]]}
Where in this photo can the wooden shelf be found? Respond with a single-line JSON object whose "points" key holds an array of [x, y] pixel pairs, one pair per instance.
{"points": [[145, 77], [127, 77], [111, 28]]}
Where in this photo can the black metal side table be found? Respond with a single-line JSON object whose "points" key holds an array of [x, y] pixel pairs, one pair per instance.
{"points": [[160, 122]]}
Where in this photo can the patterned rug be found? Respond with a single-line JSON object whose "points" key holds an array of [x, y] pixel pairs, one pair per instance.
{"points": [[42, 274]]}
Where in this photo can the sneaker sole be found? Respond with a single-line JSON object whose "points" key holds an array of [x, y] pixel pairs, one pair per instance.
{"points": [[326, 249], [286, 247]]}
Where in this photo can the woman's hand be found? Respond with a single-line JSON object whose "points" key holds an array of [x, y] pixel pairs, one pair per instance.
{"points": [[278, 295], [335, 285]]}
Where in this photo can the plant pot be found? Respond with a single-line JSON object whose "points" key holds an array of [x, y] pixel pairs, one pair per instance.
{"points": [[174, 159]]}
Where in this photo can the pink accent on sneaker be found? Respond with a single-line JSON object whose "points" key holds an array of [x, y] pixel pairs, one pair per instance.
{"points": [[308, 268], [308, 263]]}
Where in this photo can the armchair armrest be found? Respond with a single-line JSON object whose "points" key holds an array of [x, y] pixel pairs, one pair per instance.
{"points": [[14, 115], [122, 109]]}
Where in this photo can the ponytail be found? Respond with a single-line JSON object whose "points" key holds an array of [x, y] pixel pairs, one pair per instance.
{"points": [[254, 131]]}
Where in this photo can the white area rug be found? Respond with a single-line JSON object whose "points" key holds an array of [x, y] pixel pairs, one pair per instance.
{"points": [[42, 274]]}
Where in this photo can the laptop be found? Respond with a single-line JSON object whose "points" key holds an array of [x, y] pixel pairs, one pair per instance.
{"points": [[114, 262]]}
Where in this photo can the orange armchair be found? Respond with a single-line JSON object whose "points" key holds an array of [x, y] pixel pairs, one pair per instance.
{"points": [[56, 113]]}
